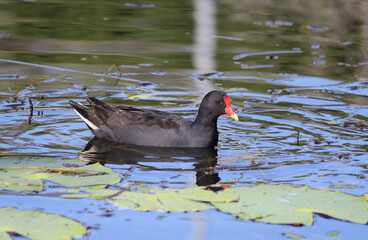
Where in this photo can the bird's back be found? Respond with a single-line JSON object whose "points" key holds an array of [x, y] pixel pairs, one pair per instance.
{"points": [[137, 126]]}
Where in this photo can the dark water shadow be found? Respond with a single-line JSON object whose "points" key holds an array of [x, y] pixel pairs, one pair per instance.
{"points": [[203, 159]]}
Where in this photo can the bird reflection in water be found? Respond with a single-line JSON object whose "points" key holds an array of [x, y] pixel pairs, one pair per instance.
{"points": [[204, 159]]}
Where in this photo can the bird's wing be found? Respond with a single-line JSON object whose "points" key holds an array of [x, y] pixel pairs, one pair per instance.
{"points": [[127, 116]]}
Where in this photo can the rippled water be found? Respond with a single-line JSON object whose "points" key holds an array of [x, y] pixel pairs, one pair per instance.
{"points": [[296, 73]]}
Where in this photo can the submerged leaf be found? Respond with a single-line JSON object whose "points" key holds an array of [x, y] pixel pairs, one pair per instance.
{"points": [[293, 236], [333, 234], [37, 225], [344, 186], [289, 205]]}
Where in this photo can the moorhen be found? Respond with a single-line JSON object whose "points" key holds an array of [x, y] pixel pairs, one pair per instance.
{"points": [[146, 127]]}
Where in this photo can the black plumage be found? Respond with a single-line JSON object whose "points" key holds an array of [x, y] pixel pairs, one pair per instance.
{"points": [[147, 127]]}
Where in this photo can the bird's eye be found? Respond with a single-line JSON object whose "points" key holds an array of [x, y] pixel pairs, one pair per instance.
{"points": [[219, 101]]}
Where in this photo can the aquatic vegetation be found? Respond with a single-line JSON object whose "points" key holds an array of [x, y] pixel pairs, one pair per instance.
{"points": [[38, 225], [34, 174]]}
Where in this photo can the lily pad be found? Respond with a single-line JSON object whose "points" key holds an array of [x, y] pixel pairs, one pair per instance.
{"points": [[91, 193], [22, 174], [279, 204], [285, 204], [195, 193], [4, 236], [37, 225], [157, 202], [171, 200]]}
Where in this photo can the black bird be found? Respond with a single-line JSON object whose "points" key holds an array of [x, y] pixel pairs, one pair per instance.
{"points": [[146, 127]]}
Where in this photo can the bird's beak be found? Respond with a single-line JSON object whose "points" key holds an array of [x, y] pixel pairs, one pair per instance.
{"points": [[229, 110]]}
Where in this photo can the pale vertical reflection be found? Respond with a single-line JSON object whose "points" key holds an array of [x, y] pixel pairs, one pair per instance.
{"points": [[204, 32], [200, 226], [204, 43], [203, 62]]}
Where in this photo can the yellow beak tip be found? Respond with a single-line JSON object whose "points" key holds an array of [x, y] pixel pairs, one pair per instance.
{"points": [[235, 117]]}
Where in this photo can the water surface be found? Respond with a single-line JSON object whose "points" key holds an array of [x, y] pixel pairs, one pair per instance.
{"points": [[296, 73]]}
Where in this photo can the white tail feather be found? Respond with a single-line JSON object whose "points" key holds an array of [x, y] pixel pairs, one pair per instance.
{"points": [[88, 122]]}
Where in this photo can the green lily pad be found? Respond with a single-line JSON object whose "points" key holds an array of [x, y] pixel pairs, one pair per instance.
{"points": [[279, 204], [37, 225], [22, 174], [289, 205], [4, 236], [195, 193], [171, 200], [157, 202], [91, 193]]}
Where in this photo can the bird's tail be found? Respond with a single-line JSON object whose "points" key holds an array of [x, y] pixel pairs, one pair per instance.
{"points": [[86, 115]]}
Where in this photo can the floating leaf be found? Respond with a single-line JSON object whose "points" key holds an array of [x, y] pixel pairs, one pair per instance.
{"points": [[280, 204], [171, 200], [289, 205], [196, 193], [37, 225], [157, 202], [15, 181], [21, 174], [4, 236], [84, 176], [91, 193]]}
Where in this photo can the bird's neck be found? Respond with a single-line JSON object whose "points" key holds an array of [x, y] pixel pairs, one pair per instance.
{"points": [[206, 119], [205, 128]]}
